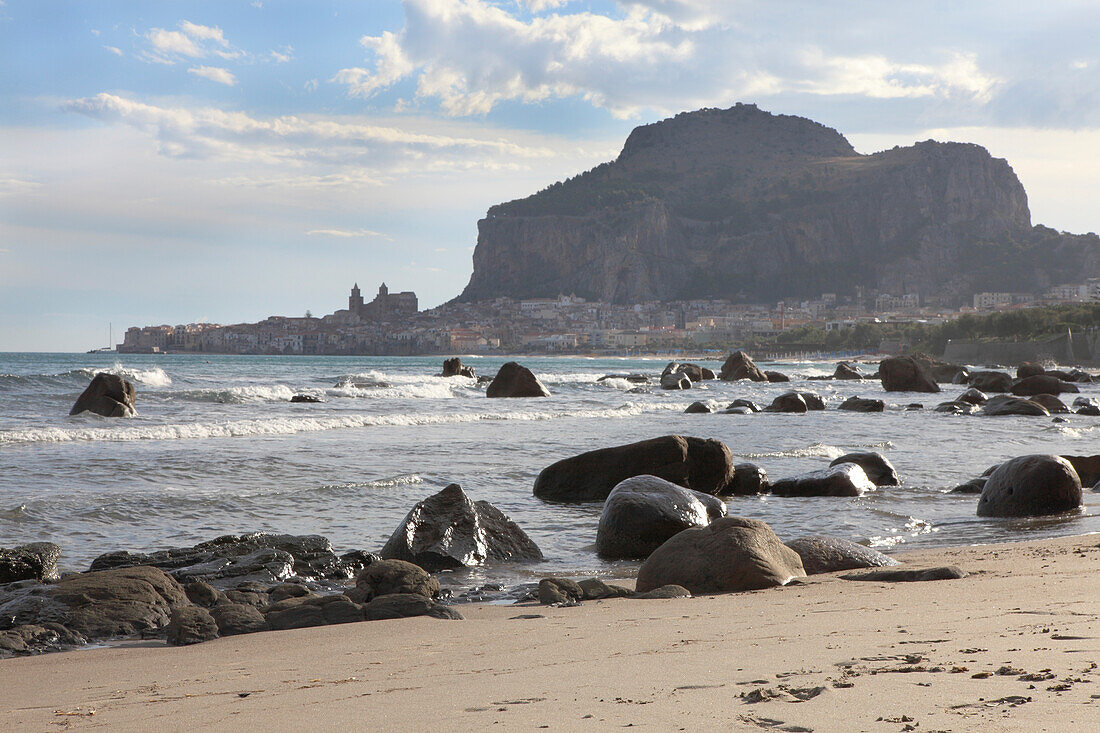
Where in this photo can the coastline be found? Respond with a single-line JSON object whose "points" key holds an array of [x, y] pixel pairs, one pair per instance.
{"points": [[865, 656]]}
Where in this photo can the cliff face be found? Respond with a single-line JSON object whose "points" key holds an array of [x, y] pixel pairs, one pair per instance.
{"points": [[750, 206]]}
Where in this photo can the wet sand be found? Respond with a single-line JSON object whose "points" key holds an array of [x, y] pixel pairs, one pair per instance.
{"points": [[1012, 647]]}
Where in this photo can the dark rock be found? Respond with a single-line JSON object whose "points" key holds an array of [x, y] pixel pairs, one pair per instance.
{"points": [[740, 402], [287, 590], [34, 561], [859, 404], [813, 399], [449, 530], [973, 486], [1085, 402], [708, 374], [1058, 420], [914, 406], [991, 381], [633, 378], [788, 402], [639, 390], [36, 639], [202, 593], [694, 372], [748, 480], [514, 380], [699, 407], [644, 511], [945, 572], [559, 590], [595, 589], [339, 609], [844, 370], [740, 365], [1032, 485], [249, 597], [1091, 410], [829, 554], [406, 605], [238, 618], [878, 469], [736, 411], [1004, 405], [665, 591], [730, 554], [395, 576], [776, 376], [961, 377], [973, 396], [1087, 468], [904, 374], [939, 370], [695, 463], [676, 380], [845, 479], [1028, 369], [454, 367], [1052, 403], [1042, 384], [294, 613], [1076, 375], [191, 625], [956, 407], [109, 395], [305, 398]]}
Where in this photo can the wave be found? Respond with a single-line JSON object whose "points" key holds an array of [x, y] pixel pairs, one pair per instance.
{"points": [[816, 450], [155, 377], [376, 385], [239, 395], [293, 425], [386, 483]]}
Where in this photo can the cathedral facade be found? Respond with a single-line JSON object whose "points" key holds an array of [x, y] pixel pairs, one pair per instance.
{"points": [[385, 304]]}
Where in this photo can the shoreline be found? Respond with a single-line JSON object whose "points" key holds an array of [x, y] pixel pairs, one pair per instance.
{"points": [[1010, 647]]}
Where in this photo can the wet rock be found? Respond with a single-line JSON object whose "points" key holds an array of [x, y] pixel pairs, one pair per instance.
{"points": [[945, 572], [694, 372], [788, 402], [736, 411], [1032, 485], [829, 554], [730, 554], [845, 479], [1076, 375], [594, 589], [989, 381], [676, 380], [812, 399], [238, 618], [956, 407], [395, 576], [1004, 405], [633, 378], [1052, 403], [1042, 384], [449, 530], [1086, 406], [844, 370], [36, 639], [514, 380], [740, 365], [287, 590], [34, 561], [914, 406], [191, 625], [644, 511], [776, 376], [699, 407], [454, 367], [748, 480], [405, 605], [973, 396], [1028, 369], [904, 374], [665, 591], [973, 486], [694, 463], [740, 402], [939, 370], [1087, 468], [308, 398], [202, 593], [859, 404], [294, 613], [877, 467], [559, 591], [961, 377], [108, 395]]}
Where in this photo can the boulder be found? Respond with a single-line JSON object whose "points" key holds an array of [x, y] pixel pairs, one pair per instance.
{"points": [[736, 411], [514, 380], [740, 365], [905, 374], [776, 376], [907, 575], [238, 618], [1087, 468], [1076, 375], [295, 613], [878, 469], [454, 367], [728, 555], [1086, 406], [956, 407], [740, 402], [788, 402], [36, 639], [939, 370], [665, 591], [694, 372], [708, 374], [1004, 405], [989, 381], [1049, 401], [699, 407], [287, 590], [973, 486], [307, 398], [632, 378], [1042, 384], [109, 395], [202, 593], [973, 396], [395, 576], [961, 377], [644, 511], [694, 463], [34, 561], [595, 589], [191, 625], [1028, 369], [449, 530], [1029, 486], [844, 370], [860, 404], [559, 590], [829, 554], [844, 479], [812, 399], [748, 480], [406, 605], [676, 380]]}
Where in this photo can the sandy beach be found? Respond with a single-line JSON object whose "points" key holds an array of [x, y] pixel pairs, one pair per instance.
{"points": [[1011, 647]]}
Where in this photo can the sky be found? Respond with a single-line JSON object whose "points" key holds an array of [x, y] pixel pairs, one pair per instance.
{"points": [[227, 160]]}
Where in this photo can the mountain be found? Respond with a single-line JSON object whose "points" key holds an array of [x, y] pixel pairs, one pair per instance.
{"points": [[743, 204]]}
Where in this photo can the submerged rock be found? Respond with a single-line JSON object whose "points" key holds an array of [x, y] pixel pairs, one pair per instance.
{"points": [[859, 404], [844, 479], [514, 380], [877, 467], [675, 380], [1004, 405], [748, 480], [1042, 384], [108, 395]]}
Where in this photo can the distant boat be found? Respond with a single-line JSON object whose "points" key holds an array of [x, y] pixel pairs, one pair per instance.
{"points": [[108, 349]]}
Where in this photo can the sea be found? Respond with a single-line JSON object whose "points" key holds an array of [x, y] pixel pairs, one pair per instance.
{"points": [[218, 447]]}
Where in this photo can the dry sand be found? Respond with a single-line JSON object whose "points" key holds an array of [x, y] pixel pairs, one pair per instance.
{"points": [[1012, 647]]}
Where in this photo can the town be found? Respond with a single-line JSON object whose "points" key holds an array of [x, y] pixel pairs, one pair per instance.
{"points": [[391, 324]]}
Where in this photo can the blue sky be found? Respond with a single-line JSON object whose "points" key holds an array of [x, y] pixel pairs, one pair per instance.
{"points": [[169, 162]]}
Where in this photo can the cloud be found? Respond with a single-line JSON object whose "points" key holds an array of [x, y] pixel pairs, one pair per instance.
{"points": [[114, 50], [191, 41], [213, 73], [347, 233]]}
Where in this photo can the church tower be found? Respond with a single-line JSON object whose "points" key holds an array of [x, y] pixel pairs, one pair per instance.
{"points": [[355, 302], [383, 291]]}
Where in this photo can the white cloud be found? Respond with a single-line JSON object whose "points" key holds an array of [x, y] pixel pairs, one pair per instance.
{"points": [[346, 233], [213, 73], [879, 78], [114, 50], [191, 41]]}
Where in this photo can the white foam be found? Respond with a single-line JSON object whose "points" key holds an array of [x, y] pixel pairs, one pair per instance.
{"points": [[155, 377], [816, 450], [238, 395]]}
